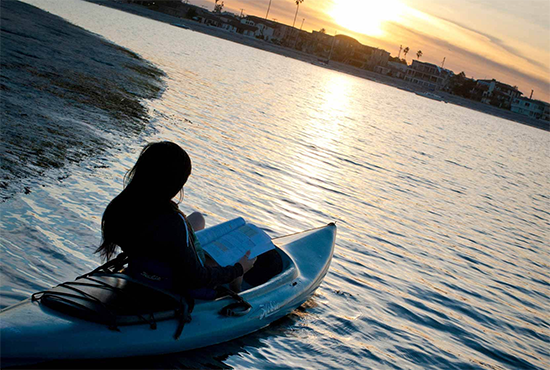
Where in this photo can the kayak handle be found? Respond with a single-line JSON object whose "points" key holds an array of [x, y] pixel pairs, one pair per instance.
{"points": [[236, 309], [239, 308]]}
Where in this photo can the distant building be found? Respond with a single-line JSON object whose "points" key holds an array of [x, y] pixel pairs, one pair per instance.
{"points": [[382, 70], [348, 50], [285, 34], [265, 29], [375, 57], [320, 44], [210, 19], [532, 108], [271, 31], [497, 93], [393, 69], [428, 75], [235, 26], [174, 8], [399, 69]]}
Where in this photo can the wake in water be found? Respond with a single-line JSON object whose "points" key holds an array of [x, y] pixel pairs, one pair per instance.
{"points": [[66, 94]]}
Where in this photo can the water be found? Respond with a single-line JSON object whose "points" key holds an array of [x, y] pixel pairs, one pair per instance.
{"points": [[442, 212]]}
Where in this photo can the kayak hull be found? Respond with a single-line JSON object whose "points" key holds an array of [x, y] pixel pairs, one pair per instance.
{"points": [[33, 333]]}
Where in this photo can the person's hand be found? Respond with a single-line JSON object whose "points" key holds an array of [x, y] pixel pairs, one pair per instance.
{"points": [[246, 262]]}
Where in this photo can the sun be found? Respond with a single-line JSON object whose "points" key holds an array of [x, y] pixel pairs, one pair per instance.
{"points": [[366, 16]]}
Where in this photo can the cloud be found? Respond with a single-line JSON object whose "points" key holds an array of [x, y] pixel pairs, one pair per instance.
{"points": [[499, 43]]}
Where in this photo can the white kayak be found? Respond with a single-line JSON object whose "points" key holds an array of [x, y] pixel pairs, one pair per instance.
{"points": [[32, 333]]}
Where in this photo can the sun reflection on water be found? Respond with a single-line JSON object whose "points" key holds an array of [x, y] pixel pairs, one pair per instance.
{"points": [[312, 177]]}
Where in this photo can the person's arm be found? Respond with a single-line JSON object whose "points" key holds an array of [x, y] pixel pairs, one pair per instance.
{"points": [[188, 270]]}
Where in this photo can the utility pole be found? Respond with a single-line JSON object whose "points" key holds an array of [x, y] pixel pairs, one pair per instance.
{"points": [[443, 62], [268, 7], [242, 14], [296, 38], [332, 47], [400, 48], [298, 2], [531, 97]]}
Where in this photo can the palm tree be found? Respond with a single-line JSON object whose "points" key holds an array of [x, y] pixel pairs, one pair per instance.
{"points": [[405, 51], [298, 2], [218, 7], [418, 54]]}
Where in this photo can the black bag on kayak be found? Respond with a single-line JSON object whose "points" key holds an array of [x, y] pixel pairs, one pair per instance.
{"points": [[108, 297], [267, 266]]}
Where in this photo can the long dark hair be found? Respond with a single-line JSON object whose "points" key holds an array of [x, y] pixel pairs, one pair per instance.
{"points": [[158, 175]]}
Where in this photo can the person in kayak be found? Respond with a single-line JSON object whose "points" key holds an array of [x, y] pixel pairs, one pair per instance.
{"points": [[146, 223]]}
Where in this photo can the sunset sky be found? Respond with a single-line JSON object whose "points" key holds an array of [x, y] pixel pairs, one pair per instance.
{"points": [[508, 40]]}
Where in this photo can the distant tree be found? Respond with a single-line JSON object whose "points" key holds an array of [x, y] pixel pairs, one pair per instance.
{"points": [[397, 60], [322, 30], [418, 54], [405, 52], [192, 12], [466, 89], [149, 4], [171, 4], [457, 80], [218, 7], [462, 86]]}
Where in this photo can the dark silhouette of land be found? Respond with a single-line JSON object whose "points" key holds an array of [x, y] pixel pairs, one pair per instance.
{"points": [[62, 87]]}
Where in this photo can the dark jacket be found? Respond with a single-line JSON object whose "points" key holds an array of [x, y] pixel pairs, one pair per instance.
{"points": [[158, 246]]}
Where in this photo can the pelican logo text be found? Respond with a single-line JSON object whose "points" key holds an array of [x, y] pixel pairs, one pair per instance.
{"points": [[268, 309]]}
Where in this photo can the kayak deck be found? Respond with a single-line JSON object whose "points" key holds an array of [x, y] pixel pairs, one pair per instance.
{"points": [[34, 333]]}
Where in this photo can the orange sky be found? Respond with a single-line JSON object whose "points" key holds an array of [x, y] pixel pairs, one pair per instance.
{"points": [[508, 40]]}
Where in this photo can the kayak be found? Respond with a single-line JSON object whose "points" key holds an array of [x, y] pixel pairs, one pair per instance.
{"points": [[33, 332]]}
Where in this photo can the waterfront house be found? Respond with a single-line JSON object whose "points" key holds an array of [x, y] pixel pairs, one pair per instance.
{"points": [[265, 29], [375, 57], [399, 70], [428, 75], [283, 33], [532, 108], [320, 44], [497, 93], [393, 69], [350, 51], [347, 50], [235, 26]]}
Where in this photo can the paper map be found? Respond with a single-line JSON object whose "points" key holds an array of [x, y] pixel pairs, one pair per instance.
{"points": [[229, 248]]}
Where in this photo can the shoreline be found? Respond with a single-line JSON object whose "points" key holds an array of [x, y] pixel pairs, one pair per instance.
{"points": [[335, 66], [60, 102]]}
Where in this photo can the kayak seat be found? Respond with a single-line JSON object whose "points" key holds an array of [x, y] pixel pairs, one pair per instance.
{"points": [[112, 299]]}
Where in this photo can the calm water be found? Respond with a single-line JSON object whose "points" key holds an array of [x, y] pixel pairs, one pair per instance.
{"points": [[442, 256]]}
